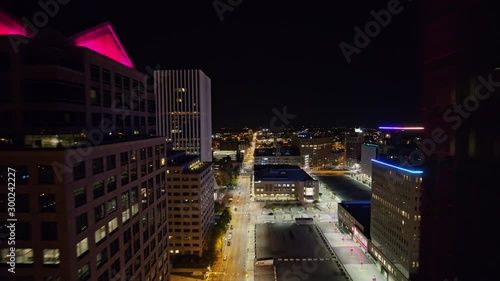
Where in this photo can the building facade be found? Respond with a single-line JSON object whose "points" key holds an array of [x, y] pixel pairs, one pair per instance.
{"points": [[277, 156], [395, 220], [284, 183], [90, 179], [184, 109], [353, 144], [368, 152], [316, 152], [191, 187]]}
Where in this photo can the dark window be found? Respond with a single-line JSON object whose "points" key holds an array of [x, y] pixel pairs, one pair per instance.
{"points": [[97, 166], [124, 177], [114, 247], [95, 73], [47, 203], [83, 273], [112, 205], [22, 203], [124, 158], [127, 234], [81, 223], [151, 107], [98, 189], [118, 80], [106, 98], [104, 276], [54, 91], [102, 257], [80, 196], [128, 253], [126, 82], [106, 76], [79, 171], [150, 151], [49, 231], [115, 267], [110, 162], [99, 212], [111, 183], [45, 174], [23, 230], [143, 153], [96, 119]]}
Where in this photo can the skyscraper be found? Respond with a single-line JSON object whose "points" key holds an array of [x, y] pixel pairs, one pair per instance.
{"points": [[460, 77], [90, 182], [184, 110]]}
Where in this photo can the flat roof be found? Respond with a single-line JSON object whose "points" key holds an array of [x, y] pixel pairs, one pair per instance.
{"points": [[280, 173], [284, 151], [360, 210]]}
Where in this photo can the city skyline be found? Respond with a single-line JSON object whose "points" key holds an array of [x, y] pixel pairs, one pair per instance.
{"points": [[257, 60], [241, 140]]}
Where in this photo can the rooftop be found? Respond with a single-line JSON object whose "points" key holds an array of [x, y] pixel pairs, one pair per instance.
{"points": [[280, 172], [360, 210], [285, 151]]}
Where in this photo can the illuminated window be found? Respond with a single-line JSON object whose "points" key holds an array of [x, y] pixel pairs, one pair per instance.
{"points": [[22, 255], [113, 225], [100, 234], [51, 256], [82, 247]]}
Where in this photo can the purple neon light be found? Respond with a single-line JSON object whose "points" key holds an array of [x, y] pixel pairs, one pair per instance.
{"points": [[103, 40], [400, 128]]}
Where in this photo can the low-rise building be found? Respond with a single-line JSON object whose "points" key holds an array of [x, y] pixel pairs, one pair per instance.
{"points": [[277, 156], [354, 216], [284, 182]]}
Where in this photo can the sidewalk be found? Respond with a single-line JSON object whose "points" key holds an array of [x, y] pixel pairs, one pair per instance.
{"points": [[358, 263]]}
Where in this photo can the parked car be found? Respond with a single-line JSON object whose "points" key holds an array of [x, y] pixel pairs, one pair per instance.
{"points": [[229, 243], [232, 226], [225, 257]]}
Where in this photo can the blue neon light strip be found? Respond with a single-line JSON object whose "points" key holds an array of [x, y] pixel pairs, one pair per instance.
{"points": [[370, 144], [399, 168]]}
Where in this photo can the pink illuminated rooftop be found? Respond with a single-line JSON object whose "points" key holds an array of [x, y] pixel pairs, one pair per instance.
{"points": [[103, 40], [10, 26]]}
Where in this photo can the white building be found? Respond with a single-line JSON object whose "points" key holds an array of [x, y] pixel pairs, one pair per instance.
{"points": [[368, 152], [184, 110]]}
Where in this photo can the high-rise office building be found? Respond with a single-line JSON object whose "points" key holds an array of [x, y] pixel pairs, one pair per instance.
{"points": [[316, 152], [353, 144], [184, 110], [90, 182], [395, 220], [190, 202], [461, 99]]}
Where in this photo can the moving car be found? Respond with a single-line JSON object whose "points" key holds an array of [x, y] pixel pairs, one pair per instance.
{"points": [[229, 243], [232, 226], [225, 257]]}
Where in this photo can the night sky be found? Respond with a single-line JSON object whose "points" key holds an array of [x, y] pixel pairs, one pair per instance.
{"points": [[268, 54]]}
